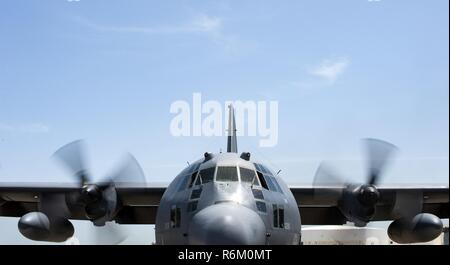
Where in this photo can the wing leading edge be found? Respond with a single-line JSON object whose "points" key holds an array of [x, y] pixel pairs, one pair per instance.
{"points": [[324, 210], [140, 204]]}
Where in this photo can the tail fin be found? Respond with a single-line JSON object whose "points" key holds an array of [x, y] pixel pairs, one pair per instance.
{"points": [[232, 140]]}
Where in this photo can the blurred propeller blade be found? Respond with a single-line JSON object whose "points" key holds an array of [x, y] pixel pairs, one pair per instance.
{"points": [[73, 156], [378, 154], [100, 200], [356, 201], [329, 179], [109, 234], [129, 171]]}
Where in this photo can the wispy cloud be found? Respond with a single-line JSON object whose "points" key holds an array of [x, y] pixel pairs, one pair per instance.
{"points": [[206, 23], [323, 74], [200, 23], [210, 26], [25, 128], [330, 69]]}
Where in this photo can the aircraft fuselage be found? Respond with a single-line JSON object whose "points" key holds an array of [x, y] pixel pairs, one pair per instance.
{"points": [[227, 199]]}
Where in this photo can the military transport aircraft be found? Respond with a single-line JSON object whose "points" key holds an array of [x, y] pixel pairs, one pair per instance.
{"points": [[224, 198]]}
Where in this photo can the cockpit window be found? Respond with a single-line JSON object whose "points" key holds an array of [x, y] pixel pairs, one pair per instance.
{"points": [[227, 174], [268, 181], [256, 182], [257, 167], [191, 168], [264, 169], [206, 175], [192, 178], [188, 176], [247, 175], [262, 180], [275, 182], [198, 181]]}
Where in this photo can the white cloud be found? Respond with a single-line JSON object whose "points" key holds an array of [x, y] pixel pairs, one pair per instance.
{"points": [[25, 128], [206, 23], [209, 26], [330, 69], [200, 23]]}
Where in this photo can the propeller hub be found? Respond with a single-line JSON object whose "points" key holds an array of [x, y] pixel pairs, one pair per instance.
{"points": [[368, 195], [100, 200], [90, 193]]}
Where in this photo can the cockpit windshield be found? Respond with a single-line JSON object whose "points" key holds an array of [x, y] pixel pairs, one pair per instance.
{"points": [[268, 181], [187, 176], [248, 175], [227, 174], [206, 175]]}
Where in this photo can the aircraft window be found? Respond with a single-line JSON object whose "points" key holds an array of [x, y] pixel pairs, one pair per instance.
{"points": [[258, 194], [278, 216], [275, 182], [275, 215], [196, 193], [178, 217], [247, 175], [227, 174], [257, 167], [256, 182], [262, 180], [261, 206], [192, 206], [261, 168], [191, 168], [270, 183], [175, 216], [192, 178], [206, 175], [198, 181], [281, 217], [264, 169]]}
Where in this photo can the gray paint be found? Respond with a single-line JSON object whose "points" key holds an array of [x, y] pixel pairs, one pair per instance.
{"points": [[238, 199], [232, 141]]}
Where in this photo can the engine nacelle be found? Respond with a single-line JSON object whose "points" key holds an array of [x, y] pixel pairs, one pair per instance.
{"points": [[37, 226], [423, 227]]}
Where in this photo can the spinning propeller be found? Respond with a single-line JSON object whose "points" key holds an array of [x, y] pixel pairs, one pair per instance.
{"points": [[98, 200], [356, 201]]}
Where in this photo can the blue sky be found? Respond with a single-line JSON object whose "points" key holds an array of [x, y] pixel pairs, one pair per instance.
{"points": [[107, 71]]}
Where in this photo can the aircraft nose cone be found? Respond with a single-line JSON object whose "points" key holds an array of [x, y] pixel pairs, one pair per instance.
{"points": [[227, 224]]}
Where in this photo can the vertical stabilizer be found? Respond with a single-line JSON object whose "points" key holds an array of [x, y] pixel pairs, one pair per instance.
{"points": [[232, 141]]}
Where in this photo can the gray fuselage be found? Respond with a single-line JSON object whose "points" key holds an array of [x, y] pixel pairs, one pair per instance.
{"points": [[226, 199]]}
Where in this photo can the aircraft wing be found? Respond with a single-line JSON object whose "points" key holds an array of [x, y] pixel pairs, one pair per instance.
{"points": [[323, 209], [139, 203]]}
